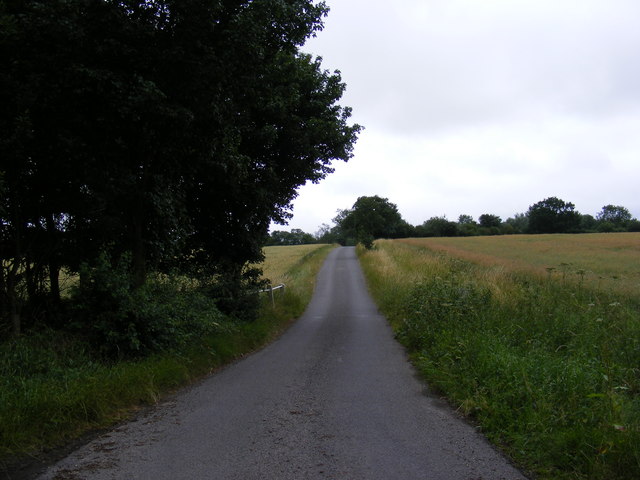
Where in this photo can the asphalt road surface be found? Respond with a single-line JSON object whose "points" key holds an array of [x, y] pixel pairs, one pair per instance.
{"points": [[333, 398]]}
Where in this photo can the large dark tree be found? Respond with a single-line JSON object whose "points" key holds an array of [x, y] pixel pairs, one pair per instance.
{"points": [[553, 215], [87, 139], [174, 131]]}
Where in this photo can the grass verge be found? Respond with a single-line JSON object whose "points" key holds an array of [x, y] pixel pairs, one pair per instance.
{"points": [[53, 391], [547, 367]]}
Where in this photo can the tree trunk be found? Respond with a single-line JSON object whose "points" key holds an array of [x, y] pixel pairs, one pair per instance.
{"points": [[15, 322], [4, 294], [138, 251], [14, 304], [12, 283], [54, 267], [30, 274], [54, 282]]}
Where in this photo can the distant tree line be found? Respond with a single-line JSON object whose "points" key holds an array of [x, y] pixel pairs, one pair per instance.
{"points": [[295, 237], [375, 217], [140, 137]]}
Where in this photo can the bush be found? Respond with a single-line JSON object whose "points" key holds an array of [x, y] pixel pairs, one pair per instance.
{"points": [[367, 241], [633, 225], [607, 227], [236, 293], [119, 321]]}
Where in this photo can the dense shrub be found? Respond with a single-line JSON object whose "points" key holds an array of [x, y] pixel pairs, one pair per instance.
{"points": [[166, 312]]}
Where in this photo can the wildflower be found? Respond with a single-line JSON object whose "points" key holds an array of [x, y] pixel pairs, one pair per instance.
{"points": [[615, 304]]}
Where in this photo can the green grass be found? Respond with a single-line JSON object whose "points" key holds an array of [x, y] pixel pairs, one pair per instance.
{"points": [[548, 367], [52, 390]]}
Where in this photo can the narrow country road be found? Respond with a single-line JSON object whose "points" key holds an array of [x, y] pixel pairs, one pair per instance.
{"points": [[333, 398]]}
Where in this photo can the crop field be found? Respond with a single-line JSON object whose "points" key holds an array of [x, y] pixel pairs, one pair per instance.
{"points": [[279, 260], [535, 338], [605, 260]]}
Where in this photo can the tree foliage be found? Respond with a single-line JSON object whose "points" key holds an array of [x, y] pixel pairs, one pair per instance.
{"points": [[172, 131], [519, 223], [615, 214], [438, 227], [553, 215], [466, 220], [370, 218], [488, 220], [295, 237]]}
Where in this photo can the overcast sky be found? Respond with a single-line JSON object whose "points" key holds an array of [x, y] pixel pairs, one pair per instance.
{"points": [[473, 107]]}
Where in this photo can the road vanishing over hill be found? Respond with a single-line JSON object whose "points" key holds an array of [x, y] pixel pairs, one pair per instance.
{"points": [[333, 398]]}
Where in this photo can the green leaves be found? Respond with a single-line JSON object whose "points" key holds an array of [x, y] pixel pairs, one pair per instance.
{"points": [[553, 215], [368, 219], [175, 130]]}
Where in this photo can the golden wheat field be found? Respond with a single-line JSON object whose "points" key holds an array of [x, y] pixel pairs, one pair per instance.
{"points": [[607, 260], [280, 259]]}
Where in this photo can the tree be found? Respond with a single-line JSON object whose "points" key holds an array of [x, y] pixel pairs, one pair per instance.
{"points": [[85, 138], [487, 220], [588, 223], [467, 226], [553, 215], [370, 218], [173, 132], [278, 125], [324, 234], [295, 237], [634, 225], [617, 215], [438, 227], [519, 223]]}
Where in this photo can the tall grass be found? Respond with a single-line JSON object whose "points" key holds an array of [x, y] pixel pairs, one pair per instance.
{"points": [[52, 388], [549, 368]]}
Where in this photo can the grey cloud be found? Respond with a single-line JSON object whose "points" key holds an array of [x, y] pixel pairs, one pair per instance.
{"points": [[471, 62]]}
